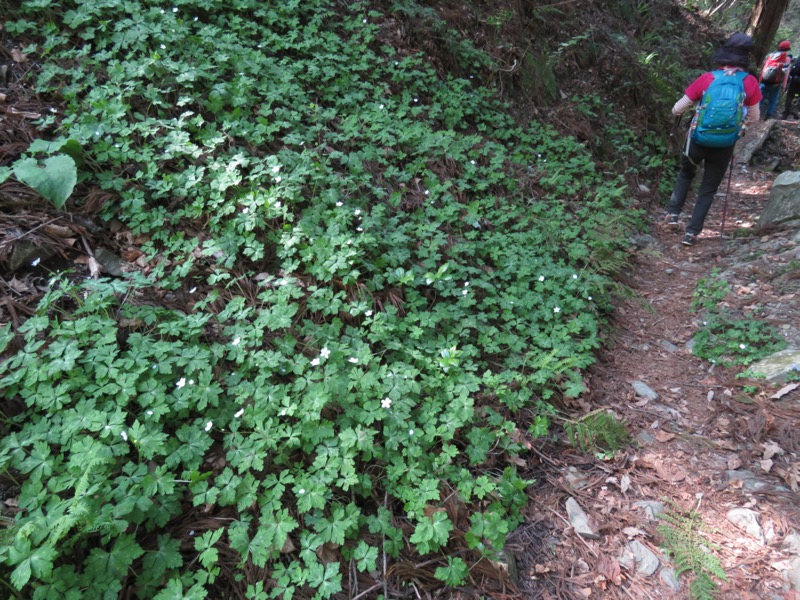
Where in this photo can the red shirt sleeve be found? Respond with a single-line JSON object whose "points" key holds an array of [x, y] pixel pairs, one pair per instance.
{"points": [[752, 89], [699, 86]]}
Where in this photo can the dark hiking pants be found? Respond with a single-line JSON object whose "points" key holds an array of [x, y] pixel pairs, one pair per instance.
{"points": [[792, 91], [715, 163]]}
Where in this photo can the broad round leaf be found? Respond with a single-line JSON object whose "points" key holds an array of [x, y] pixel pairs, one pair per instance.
{"points": [[54, 177]]}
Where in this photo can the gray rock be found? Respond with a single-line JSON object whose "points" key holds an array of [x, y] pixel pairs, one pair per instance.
{"points": [[639, 557], [669, 577], [646, 438], [643, 241], [739, 475], [784, 199], [110, 261], [668, 346], [652, 508], [644, 391], [576, 479], [777, 367], [579, 520], [792, 574], [26, 253], [791, 543], [747, 520]]}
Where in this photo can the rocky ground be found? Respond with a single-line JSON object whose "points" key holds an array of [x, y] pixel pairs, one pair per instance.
{"points": [[716, 453]]}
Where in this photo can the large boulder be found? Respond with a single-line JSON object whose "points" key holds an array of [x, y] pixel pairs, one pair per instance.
{"points": [[784, 200]]}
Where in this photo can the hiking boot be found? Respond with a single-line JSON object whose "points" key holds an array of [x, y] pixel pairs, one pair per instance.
{"points": [[673, 222], [689, 239]]}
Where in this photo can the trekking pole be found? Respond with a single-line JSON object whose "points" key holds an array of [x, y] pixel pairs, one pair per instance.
{"points": [[725, 201]]}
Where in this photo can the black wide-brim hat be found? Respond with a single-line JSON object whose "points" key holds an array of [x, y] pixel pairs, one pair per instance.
{"points": [[735, 51]]}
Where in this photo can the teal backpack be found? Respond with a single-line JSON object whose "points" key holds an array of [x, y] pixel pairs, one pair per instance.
{"points": [[718, 120]]}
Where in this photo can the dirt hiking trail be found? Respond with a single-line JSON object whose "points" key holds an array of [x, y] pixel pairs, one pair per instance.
{"points": [[704, 440]]}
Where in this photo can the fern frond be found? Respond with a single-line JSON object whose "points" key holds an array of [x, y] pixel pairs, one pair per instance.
{"points": [[691, 553]]}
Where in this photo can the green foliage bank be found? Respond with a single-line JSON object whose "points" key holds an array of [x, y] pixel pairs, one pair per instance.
{"points": [[383, 283]]}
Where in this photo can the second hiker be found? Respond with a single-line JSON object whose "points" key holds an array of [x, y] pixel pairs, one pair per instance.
{"points": [[774, 77]]}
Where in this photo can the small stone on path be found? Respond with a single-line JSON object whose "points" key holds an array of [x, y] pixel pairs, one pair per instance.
{"points": [[580, 521], [747, 519], [668, 346], [652, 508], [791, 543], [644, 391], [640, 557], [668, 576]]}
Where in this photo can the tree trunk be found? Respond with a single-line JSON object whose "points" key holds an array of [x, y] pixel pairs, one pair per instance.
{"points": [[764, 22]]}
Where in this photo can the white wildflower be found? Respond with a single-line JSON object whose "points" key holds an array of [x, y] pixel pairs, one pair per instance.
{"points": [[386, 403], [325, 353], [466, 283], [301, 491], [245, 210], [381, 107], [314, 362], [149, 413], [742, 346], [208, 426], [368, 313], [174, 9], [191, 382], [541, 277], [36, 261], [472, 162], [193, 290], [124, 435], [277, 179], [163, 47], [352, 359], [181, 382], [238, 413], [557, 309], [236, 341], [340, 203], [574, 275], [357, 212], [410, 432], [276, 168]]}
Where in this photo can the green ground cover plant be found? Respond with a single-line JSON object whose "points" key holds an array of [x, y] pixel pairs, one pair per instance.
{"points": [[386, 279], [727, 338]]}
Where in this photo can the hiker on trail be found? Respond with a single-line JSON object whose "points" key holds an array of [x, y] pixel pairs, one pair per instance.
{"points": [[727, 96], [774, 78], [792, 89]]}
